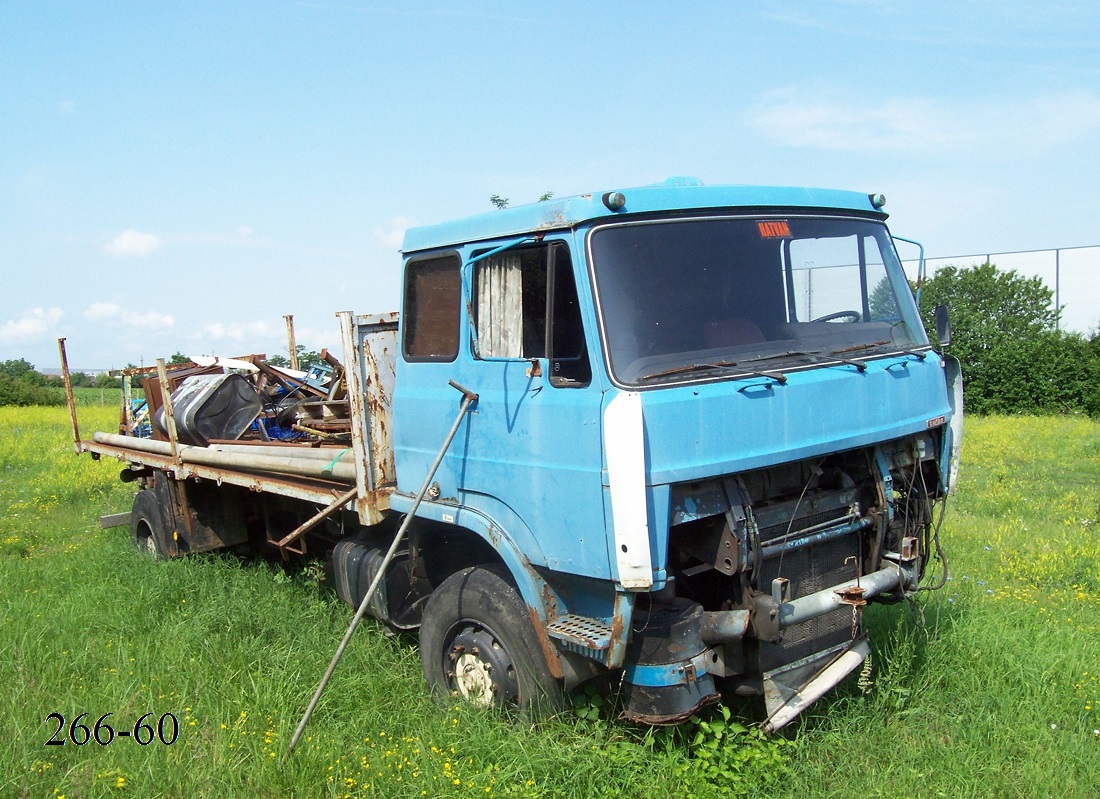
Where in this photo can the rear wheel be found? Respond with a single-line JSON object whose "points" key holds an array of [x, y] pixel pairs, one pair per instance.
{"points": [[477, 644], [148, 532]]}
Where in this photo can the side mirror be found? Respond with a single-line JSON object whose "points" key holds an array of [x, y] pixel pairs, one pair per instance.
{"points": [[943, 326]]}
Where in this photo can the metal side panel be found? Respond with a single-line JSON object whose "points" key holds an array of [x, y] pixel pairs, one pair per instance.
{"points": [[370, 352]]}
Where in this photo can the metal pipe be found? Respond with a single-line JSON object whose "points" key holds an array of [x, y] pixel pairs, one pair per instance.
{"points": [[312, 522], [340, 470], [173, 440], [125, 409], [772, 549], [69, 394], [169, 411], [468, 399], [818, 604], [326, 454], [305, 467], [292, 345]]}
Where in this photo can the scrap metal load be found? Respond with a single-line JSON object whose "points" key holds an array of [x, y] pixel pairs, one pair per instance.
{"points": [[244, 398], [249, 414], [315, 435]]}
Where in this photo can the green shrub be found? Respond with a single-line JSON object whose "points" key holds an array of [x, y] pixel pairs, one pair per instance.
{"points": [[17, 391], [1004, 333]]}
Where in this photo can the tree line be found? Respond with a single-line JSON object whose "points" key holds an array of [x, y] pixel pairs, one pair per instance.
{"points": [[1015, 360], [21, 384]]}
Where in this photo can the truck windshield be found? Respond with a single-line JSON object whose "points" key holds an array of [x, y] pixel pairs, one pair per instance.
{"points": [[703, 298]]}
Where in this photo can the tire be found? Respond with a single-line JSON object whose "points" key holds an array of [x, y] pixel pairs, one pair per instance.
{"points": [[148, 532], [477, 644]]}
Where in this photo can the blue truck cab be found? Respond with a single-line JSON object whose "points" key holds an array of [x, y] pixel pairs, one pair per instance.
{"points": [[709, 428]]}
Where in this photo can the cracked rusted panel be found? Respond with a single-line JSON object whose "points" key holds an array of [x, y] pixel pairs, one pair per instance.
{"points": [[549, 601], [380, 362], [620, 627], [370, 352], [549, 650], [542, 635]]}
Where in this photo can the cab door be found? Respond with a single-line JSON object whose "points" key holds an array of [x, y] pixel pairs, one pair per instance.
{"points": [[533, 445]]}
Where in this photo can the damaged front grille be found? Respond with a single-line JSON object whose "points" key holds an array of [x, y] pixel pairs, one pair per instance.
{"points": [[810, 569], [785, 532]]}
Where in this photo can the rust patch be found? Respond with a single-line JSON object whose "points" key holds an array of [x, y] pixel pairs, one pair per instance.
{"points": [[549, 601], [852, 595], [553, 660], [616, 629]]}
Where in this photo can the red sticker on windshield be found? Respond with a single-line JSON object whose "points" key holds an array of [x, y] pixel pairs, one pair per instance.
{"points": [[774, 229]]}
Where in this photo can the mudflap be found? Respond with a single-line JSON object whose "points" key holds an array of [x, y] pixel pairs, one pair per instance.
{"points": [[792, 688]]}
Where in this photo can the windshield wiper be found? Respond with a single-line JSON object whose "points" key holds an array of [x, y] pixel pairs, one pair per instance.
{"points": [[860, 366], [778, 377], [691, 367], [786, 354], [839, 354], [858, 348], [723, 365]]}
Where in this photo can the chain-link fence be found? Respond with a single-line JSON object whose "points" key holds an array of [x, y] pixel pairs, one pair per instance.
{"points": [[1071, 273]]}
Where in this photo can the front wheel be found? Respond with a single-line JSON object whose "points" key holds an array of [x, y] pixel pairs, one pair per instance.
{"points": [[477, 644]]}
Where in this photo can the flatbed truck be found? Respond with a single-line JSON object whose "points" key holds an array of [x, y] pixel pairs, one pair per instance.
{"points": [[698, 428]]}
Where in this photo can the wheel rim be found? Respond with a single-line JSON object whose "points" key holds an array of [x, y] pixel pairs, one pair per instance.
{"points": [[144, 541], [478, 666]]}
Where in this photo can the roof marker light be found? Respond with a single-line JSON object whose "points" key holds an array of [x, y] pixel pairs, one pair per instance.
{"points": [[877, 200], [614, 200]]}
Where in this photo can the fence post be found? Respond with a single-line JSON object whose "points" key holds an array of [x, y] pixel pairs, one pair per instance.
{"points": [[1058, 289]]}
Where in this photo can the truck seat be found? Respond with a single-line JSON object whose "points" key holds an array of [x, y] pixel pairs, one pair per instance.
{"points": [[732, 333]]}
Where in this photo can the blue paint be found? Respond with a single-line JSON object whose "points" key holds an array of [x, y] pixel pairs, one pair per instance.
{"points": [[529, 459]]}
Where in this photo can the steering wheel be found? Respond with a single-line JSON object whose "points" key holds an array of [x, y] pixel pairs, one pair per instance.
{"points": [[850, 316]]}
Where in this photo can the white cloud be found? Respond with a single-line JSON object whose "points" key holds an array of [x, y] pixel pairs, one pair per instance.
{"points": [[829, 119], [101, 310], [33, 324], [133, 244], [235, 331], [66, 108], [392, 233], [822, 119], [147, 320]]}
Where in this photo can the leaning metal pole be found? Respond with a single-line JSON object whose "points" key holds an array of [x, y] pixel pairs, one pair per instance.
{"points": [[69, 393], [468, 399]]}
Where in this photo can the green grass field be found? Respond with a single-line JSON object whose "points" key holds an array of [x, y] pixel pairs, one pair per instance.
{"points": [[988, 688]]}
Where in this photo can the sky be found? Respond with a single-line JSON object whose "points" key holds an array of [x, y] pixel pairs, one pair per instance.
{"points": [[176, 176]]}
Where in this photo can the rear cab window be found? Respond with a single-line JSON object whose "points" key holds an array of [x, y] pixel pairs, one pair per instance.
{"points": [[430, 316]]}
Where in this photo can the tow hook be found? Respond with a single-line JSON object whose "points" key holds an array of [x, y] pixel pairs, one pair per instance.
{"points": [[853, 595]]}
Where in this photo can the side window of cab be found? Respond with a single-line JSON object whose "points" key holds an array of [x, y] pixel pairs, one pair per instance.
{"points": [[430, 316], [525, 299]]}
